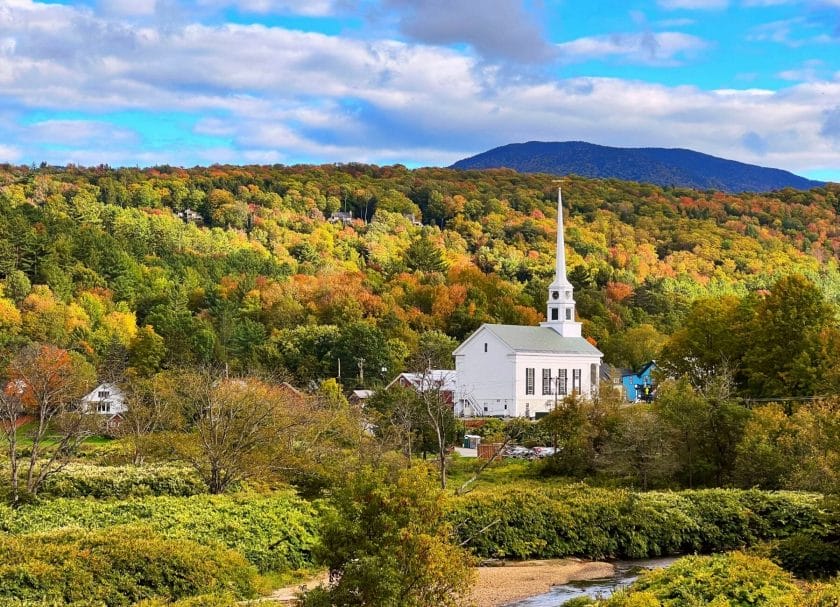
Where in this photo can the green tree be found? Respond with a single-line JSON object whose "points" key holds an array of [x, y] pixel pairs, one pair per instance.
{"points": [[572, 434], [151, 407], [16, 285], [423, 255], [705, 427], [434, 351], [386, 543], [785, 355], [398, 419], [240, 430], [633, 347], [364, 352], [767, 453], [147, 351], [639, 449], [711, 341]]}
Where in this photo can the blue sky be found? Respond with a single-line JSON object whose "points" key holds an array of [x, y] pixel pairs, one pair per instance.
{"points": [[417, 82]]}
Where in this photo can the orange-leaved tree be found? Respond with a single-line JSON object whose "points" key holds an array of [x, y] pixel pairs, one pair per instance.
{"points": [[41, 400]]}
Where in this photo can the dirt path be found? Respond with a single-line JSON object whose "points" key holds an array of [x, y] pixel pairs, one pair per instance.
{"points": [[510, 582], [288, 595], [497, 586]]}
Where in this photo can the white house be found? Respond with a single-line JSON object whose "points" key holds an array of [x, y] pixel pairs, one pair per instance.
{"points": [[106, 399], [516, 371]]}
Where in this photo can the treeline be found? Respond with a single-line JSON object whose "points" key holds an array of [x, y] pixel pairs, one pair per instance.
{"points": [[686, 438], [98, 261]]}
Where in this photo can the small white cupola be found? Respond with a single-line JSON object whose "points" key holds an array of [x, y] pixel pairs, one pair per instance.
{"points": [[561, 300]]}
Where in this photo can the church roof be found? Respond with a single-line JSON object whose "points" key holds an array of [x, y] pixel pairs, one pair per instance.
{"points": [[541, 339]]}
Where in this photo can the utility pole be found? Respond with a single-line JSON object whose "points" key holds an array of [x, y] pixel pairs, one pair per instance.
{"points": [[361, 363]]}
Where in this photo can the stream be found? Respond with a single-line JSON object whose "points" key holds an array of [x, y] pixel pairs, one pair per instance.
{"points": [[625, 573]]}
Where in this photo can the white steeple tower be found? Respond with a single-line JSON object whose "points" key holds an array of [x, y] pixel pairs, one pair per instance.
{"points": [[561, 301]]}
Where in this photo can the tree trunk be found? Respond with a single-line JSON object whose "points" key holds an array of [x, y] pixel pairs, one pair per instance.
{"points": [[36, 450], [14, 464]]}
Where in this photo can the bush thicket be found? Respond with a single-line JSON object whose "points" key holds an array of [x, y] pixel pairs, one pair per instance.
{"points": [[274, 532], [723, 580], [116, 567], [119, 482], [540, 522]]}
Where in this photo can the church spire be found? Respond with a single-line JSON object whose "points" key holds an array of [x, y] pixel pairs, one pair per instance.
{"points": [[561, 301], [560, 262]]}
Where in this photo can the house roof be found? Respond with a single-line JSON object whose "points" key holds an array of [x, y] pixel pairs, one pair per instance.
{"points": [[93, 395], [440, 379], [610, 373], [541, 339], [361, 394], [645, 368]]}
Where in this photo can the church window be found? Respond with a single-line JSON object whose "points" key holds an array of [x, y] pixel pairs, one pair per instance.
{"points": [[529, 381], [554, 314], [576, 380], [568, 314], [562, 381], [485, 346], [593, 375], [546, 377]]}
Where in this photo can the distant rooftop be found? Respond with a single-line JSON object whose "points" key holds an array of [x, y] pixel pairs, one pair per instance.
{"points": [[439, 379]]}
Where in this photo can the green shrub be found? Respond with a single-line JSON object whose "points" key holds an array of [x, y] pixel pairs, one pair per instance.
{"points": [[806, 555], [119, 482], [723, 580], [274, 532], [814, 553], [115, 567], [577, 520]]}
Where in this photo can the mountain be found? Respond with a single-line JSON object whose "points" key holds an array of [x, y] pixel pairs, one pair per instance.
{"points": [[660, 166]]}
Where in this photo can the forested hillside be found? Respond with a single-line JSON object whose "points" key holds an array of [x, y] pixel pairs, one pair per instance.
{"points": [[674, 167], [98, 261]]}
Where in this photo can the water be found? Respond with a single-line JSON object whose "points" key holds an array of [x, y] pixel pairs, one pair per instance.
{"points": [[625, 573]]}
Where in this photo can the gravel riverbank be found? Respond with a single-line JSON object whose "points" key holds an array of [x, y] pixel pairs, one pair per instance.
{"points": [[512, 581], [504, 583]]}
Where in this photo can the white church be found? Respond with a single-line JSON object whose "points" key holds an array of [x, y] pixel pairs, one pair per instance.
{"points": [[517, 371]]}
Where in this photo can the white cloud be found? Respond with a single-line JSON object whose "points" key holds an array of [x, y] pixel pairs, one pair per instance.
{"points": [[809, 71], [794, 32], [663, 48], [694, 4], [131, 8], [310, 8], [9, 153], [77, 132], [766, 2]]}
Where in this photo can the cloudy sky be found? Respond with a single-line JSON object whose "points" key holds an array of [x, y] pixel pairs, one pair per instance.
{"points": [[417, 82]]}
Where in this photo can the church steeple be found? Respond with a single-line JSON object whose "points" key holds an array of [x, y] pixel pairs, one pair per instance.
{"points": [[561, 301]]}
